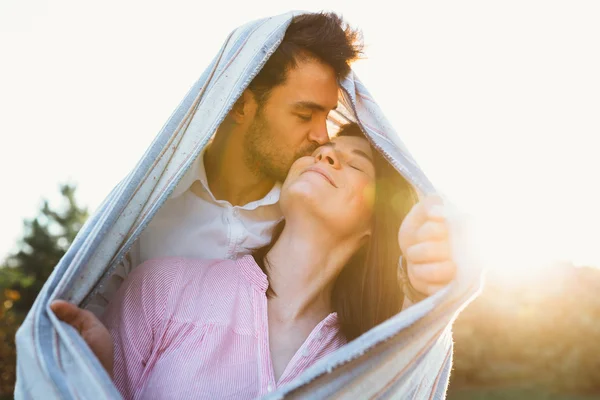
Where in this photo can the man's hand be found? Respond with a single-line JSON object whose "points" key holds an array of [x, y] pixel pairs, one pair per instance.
{"points": [[425, 244], [90, 328]]}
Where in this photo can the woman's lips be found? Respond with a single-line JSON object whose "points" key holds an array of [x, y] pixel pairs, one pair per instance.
{"points": [[323, 174]]}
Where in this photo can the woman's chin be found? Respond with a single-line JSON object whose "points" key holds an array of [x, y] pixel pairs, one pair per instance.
{"points": [[304, 196], [311, 182], [303, 190]]}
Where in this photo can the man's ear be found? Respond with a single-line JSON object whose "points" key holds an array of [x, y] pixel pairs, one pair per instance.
{"points": [[244, 107]]}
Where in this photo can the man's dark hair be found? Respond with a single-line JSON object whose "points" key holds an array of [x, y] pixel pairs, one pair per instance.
{"points": [[321, 36]]}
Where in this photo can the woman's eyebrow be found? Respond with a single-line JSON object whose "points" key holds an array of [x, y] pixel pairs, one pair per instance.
{"points": [[363, 154]]}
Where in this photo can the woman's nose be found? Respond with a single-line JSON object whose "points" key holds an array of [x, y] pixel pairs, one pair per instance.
{"points": [[327, 154]]}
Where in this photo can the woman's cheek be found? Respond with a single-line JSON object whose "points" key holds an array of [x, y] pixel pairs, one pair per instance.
{"points": [[365, 196], [369, 195]]}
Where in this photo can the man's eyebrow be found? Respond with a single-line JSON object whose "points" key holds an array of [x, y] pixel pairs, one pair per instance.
{"points": [[311, 105]]}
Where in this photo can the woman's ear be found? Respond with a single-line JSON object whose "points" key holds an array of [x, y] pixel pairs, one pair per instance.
{"points": [[244, 107], [364, 240]]}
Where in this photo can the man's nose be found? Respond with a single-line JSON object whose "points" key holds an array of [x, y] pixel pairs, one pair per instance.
{"points": [[319, 134]]}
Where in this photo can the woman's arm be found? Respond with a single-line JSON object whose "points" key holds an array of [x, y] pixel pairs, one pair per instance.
{"points": [[424, 239], [134, 318], [131, 322], [90, 328]]}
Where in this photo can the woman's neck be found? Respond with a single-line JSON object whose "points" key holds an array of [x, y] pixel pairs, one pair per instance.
{"points": [[303, 265]]}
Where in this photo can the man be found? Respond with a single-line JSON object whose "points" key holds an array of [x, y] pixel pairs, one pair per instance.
{"points": [[226, 205]]}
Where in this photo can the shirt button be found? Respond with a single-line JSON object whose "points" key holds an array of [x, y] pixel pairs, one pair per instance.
{"points": [[236, 213], [269, 388], [305, 352]]}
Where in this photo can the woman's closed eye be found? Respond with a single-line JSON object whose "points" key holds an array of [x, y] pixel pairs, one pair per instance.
{"points": [[361, 165], [304, 117]]}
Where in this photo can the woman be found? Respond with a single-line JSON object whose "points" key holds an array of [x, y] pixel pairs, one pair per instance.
{"points": [[186, 328]]}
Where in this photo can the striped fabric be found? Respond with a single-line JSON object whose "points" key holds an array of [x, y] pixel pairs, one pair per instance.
{"points": [[183, 327], [409, 356]]}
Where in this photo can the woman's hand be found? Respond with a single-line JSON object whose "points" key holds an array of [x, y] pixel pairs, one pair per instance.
{"points": [[425, 243], [90, 328]]}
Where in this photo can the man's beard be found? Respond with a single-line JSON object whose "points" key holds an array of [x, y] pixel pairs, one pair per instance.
{"points": [[263, 156]]}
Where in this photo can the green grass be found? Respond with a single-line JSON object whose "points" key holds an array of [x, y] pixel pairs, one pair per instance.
{"points": [[512, 394]]}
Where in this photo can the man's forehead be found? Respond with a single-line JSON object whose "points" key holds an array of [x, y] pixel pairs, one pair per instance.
{"points": [[311, 85]]}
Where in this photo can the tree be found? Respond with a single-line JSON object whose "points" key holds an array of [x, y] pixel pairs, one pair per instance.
{"points": [[46, 239]]}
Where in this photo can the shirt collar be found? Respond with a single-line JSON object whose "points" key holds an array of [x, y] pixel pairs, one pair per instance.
{"points": [[192, 175], [257, 278], [331, 320], [253, 273], [197, 172]]}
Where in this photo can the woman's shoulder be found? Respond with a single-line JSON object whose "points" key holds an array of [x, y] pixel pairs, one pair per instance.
{"points": [[182, 269], [200, 291], [184, 272]]}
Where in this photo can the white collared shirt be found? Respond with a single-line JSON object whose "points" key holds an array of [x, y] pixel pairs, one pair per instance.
{"points": [[196, 225]]}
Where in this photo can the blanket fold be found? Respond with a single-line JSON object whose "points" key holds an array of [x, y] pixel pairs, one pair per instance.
{"points": [[408, 356]]}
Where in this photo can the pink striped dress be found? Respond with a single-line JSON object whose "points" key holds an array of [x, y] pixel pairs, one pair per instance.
{"points": [[198, 329]]}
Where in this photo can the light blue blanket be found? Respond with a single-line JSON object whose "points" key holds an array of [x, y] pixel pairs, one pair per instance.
{"points": [[408, 356]]}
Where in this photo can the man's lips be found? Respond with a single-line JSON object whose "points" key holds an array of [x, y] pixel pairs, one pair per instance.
{"points": [[322, 173]]}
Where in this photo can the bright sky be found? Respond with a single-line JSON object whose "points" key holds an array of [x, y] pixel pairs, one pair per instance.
{"points": [[498, 101]]}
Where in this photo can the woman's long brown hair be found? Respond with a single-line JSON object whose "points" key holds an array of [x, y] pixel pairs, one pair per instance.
{"points": [[367, 291]]}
